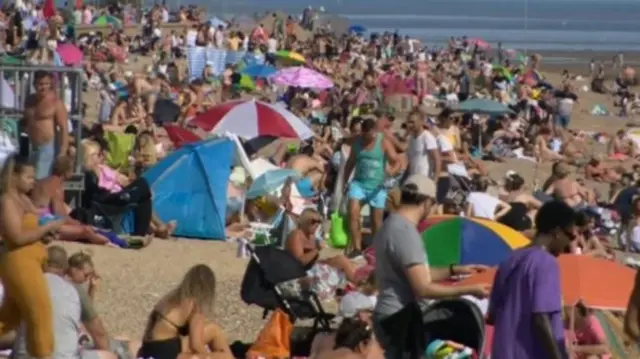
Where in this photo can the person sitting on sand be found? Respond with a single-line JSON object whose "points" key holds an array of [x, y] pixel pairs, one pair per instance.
{"points": [[354, 306], [596, 171], [66, 314], [352, 341], [586, 239], [113, 187], [78, 269], [48, 196], [567, 189], [541, 147], [177, 327], [303, 244], [127, 112], [622, 147]]}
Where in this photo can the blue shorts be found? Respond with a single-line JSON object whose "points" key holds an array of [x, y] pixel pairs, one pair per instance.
{"points": [[42, 158], [562, 120], [376, 198], [305, 187]]}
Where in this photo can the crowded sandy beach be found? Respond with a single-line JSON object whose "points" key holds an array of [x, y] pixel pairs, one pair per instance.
{"points": [[179, 185]]}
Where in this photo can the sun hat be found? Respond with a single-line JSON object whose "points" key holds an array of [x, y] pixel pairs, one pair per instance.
{"points": [[354, 302], [424, 185]]}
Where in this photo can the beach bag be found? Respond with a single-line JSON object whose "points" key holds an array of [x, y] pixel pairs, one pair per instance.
{"points": [[338, 237], [274, 340]]}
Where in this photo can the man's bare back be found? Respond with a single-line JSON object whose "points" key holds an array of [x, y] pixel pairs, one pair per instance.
{"points": [[304, 164]]}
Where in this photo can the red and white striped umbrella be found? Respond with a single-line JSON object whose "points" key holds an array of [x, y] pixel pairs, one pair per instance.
{"points": [[251, 118]]}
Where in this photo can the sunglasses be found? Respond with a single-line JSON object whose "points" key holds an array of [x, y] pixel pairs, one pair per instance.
{"points": [[315, 221]]}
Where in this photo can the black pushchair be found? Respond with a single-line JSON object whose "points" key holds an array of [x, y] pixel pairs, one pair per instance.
{"points": [[457, 320], [270, 266]]}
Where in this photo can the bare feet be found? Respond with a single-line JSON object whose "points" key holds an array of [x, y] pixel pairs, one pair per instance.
{"points": [[167, 230]]}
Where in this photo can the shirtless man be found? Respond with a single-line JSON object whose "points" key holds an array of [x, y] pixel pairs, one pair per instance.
{"points": [[621, 147], [312, 171], [46, 117], [541, 147], [129, 112], [567, 189], [595, 170]]}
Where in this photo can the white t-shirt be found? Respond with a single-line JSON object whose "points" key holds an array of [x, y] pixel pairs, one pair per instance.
{"points": [[483, 205], [418, 153], [272, 46]]}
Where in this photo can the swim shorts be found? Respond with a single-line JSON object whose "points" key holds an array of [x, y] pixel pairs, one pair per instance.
{"points": [[375, 198], [305, 187]]}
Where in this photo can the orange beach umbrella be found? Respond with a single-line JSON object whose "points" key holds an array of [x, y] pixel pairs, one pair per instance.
{"points": [[598, 283]]}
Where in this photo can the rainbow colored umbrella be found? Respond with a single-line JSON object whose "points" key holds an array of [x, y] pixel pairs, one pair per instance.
{"points": [[291, 56], [460, 240]]}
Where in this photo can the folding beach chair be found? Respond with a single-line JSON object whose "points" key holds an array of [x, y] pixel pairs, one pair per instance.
{"points": [[270, 267]]}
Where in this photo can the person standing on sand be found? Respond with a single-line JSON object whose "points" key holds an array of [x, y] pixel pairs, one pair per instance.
{"points": [[525, 306], [46, 123], [368, 160]]}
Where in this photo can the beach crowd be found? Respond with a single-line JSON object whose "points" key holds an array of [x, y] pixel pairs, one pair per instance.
{"points": [[369, 140]]}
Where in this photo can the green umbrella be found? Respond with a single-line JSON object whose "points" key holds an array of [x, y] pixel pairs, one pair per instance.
{"points": [[246, 83], [106, 20]]}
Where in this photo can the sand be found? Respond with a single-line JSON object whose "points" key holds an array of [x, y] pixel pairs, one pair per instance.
{"points": [[133, 280]]}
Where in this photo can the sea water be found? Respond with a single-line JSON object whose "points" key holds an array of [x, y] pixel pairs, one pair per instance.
{"points": [[576, 25]]}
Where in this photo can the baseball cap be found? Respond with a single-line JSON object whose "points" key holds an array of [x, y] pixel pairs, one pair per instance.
{"points": [[354, 302], [423, 185]]}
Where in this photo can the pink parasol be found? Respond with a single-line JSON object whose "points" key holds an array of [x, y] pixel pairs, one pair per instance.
{"points": [[70, 54], [481, 43], [302, 77]]}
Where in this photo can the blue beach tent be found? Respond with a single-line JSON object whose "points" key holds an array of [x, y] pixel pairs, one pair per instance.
{"points": [[190, 187]]}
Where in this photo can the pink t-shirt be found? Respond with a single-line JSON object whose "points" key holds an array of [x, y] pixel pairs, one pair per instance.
{"points": [[591, 334], [108, 179]]}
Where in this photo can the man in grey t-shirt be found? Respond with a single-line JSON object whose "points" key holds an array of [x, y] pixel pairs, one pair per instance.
{"points": [[402, 270]]}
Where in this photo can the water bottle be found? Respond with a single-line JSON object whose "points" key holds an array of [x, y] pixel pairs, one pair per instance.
{"points": [[241, 250]]}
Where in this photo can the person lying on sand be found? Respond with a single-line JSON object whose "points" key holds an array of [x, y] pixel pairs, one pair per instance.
{"points": [[178, 327], [595, 170]]}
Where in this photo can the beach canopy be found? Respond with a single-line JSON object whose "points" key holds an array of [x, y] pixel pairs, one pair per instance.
{"points": [[459, 240], [271, 181], [482, 106], [596, 282], [106, 20], [189, 186]]}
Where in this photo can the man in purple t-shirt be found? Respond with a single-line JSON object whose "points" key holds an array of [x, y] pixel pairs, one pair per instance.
{"points": [[525, 306]]}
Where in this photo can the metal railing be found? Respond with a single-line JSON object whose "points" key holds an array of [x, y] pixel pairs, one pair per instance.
{"points": [[17, 80]]}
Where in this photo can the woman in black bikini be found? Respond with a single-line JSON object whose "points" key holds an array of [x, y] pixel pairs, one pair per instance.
{"points": [[177, 327]]}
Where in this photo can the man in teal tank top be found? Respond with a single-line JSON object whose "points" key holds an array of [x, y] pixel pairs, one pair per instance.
{"points": [[372, 158]]}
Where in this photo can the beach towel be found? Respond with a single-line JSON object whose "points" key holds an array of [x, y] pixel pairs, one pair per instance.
{"points": [[120, 147], [599, 110], [274, 340], [197, 58]]}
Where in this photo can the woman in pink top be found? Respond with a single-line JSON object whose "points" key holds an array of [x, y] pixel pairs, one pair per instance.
{"points": [[590, 341]]}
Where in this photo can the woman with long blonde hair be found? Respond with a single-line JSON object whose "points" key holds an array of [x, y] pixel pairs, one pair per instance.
{"points": [[26, 292], [177, 326]]}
